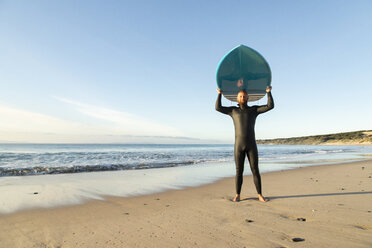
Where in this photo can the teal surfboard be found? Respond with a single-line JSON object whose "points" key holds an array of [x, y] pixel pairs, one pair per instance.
{"points": [[243, 69]]}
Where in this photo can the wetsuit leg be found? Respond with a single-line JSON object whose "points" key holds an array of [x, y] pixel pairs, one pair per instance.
{"points": [[253, 161], [239, 155]]}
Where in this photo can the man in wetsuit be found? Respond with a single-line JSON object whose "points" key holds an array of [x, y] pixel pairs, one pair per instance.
{"points": [[244, 118]]}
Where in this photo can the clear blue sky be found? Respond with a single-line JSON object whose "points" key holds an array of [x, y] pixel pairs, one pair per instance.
{"points": [[144, 71]]}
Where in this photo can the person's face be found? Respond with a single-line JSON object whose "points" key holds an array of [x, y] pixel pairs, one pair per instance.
{"points": [[242, 97]]}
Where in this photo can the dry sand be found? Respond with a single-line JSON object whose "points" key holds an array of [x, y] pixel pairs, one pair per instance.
{"points": [[334, 202]]}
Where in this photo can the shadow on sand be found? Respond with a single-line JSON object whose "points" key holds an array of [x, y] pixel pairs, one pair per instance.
{"points": [[314, 195], [270, 198]]}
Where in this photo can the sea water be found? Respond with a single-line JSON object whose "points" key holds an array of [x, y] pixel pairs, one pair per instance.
{"points": [[41, 159]]}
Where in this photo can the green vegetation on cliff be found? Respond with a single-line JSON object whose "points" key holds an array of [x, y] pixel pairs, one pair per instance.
{"points": [[349, 138]]}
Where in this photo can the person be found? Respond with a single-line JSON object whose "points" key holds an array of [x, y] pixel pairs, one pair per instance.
{"points": [[244, 118]]}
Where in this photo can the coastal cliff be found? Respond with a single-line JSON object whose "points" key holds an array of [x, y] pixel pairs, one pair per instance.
{"points": [[349, 138]]}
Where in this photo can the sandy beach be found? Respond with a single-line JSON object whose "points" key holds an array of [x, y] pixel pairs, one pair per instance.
{"points": [[321, 206]]}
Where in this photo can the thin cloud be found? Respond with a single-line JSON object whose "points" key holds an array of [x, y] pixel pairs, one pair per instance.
{"points": [[122, 122], [14, 119], [18, 125]]}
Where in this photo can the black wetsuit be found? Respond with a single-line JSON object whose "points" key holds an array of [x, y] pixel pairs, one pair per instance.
{"points": [[244, 118]]}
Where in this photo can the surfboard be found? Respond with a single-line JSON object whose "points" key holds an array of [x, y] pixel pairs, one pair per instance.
{"points": [[243, 68]]}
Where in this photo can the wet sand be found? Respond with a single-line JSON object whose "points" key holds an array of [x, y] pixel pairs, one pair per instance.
{"points": [[321, 206]]}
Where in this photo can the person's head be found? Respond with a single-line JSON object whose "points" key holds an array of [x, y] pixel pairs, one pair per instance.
{"points": [[242, 97]]}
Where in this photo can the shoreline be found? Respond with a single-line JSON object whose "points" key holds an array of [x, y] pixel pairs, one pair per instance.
{"points": [[22, 193], [334, 200]]}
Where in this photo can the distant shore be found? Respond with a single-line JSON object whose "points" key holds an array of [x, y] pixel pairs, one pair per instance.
{"points": [[363, 137], [319, 206]]}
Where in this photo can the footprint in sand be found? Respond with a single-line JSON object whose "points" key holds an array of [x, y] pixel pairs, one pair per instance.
{"points": [[284, 216], [362, 227], [301, 219], [292, 218], [298, 239], [359, 227]]}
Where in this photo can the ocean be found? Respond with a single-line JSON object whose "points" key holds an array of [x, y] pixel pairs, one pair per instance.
{"points": [[42, 159]]}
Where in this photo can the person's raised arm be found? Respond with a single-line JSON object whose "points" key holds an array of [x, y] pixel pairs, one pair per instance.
{"points": [[270, 102], [219, 107]]}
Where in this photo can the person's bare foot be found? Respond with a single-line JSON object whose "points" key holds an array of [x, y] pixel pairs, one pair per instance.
{"points": [[262, 199], [237, 198]]}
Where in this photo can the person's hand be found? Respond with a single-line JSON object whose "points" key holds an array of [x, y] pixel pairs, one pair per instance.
{"points": [[268, 89], [218, 91]]}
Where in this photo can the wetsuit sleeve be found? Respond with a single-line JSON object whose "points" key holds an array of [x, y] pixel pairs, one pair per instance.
{"points": [[220, 108], [269, 106]]}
